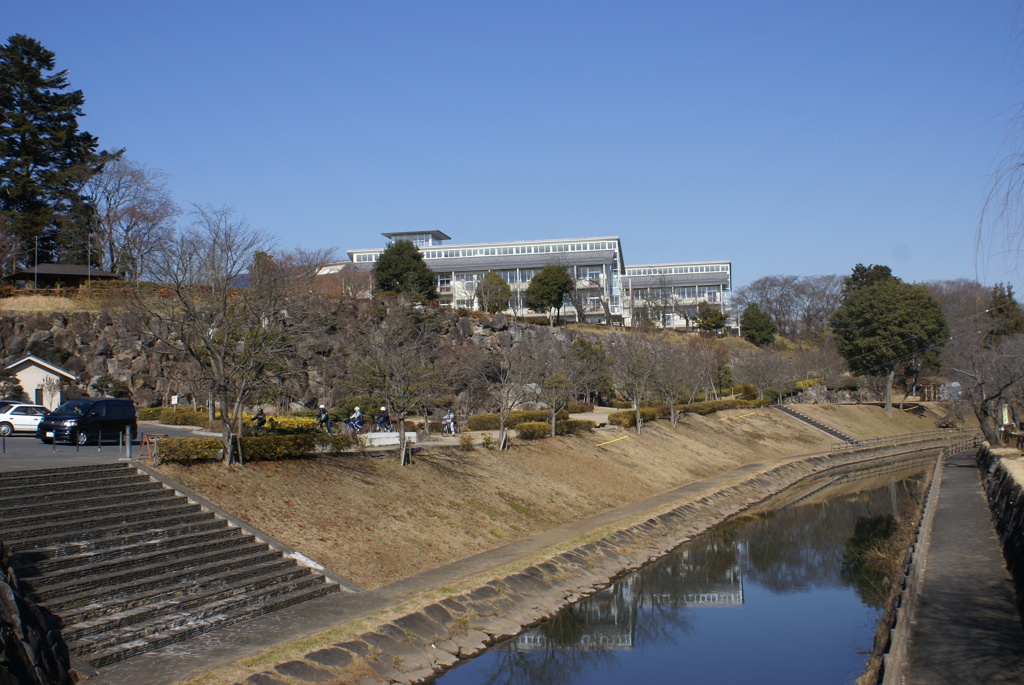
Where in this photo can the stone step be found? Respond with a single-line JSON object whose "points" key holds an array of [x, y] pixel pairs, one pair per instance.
{"points": [[58, 599], [66, 507], [44, 588], [205, 600], [145, 558], [46, 559], [52, 494], [141, 502], [156, 601], [64, 474], [76, 481], [130, 646], [18, 531], [110, 533]]}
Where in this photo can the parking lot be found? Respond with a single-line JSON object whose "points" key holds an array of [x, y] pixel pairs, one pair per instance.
{"points": [[23, 451]]}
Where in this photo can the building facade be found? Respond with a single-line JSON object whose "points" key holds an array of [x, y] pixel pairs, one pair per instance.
{"points": [[605, 290], [670, 295]]}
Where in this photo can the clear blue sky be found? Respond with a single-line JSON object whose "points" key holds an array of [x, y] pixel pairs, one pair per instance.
{"points": [[789, 137]]}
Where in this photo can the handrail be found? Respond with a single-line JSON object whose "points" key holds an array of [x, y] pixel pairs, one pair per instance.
{"points": [[902, 439]]}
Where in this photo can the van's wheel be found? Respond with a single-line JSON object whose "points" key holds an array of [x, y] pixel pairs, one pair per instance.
{"points": [[82, 438], [6, 429]]}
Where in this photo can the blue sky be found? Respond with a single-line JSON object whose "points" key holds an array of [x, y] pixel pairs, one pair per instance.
{"points": [[789, 137]]}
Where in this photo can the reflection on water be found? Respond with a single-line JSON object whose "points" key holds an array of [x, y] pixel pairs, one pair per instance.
{"points": [[763, 599]]}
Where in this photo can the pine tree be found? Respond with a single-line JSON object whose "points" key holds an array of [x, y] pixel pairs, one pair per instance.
{"points": [[401, 269], [44, 158], [757, 326]]}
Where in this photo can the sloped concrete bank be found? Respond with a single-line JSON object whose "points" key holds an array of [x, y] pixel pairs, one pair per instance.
{"points": [[433, 637], [1002, 476]]}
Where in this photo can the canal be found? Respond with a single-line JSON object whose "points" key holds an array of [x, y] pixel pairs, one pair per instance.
{"points": [[780, 595]]}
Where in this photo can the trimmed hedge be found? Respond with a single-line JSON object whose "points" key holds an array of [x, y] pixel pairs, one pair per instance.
{"points": [[580, 407], [572, 427], [483, 422], [533, 430], [491, 422], [188, 449], [619, 404], [705, 408], [254, 448], [627, 419]]}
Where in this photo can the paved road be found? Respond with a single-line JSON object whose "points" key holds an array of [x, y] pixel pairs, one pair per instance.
{"points": [[22, 451]]}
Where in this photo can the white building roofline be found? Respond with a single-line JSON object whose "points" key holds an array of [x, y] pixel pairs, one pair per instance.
{"points": [[45, 364]]}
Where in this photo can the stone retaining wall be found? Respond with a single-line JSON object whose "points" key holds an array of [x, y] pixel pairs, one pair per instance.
{"points": [[416, 647], [31, 649], [1006, 502]]}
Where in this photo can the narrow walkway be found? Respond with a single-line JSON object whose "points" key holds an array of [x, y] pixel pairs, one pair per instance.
{"points": [[967, 629]]}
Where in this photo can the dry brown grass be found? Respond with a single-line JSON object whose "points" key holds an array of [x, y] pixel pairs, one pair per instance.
{"points": [[48, 304], [376, 521]]}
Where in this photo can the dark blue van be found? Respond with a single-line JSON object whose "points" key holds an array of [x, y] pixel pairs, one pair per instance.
{"points": [[90, 419]]}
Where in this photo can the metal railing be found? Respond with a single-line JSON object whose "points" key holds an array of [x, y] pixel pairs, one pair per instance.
{"points": [[903, 439]]}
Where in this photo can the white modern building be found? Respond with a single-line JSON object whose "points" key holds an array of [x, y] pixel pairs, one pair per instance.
{"points": [[670, 294], [595, 264], [606, 289]]}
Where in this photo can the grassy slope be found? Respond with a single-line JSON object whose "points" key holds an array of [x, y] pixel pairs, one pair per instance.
{"points": [[375, 521]]}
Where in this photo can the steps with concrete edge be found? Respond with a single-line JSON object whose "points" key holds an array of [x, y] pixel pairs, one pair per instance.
{"points": [[130, 566], [800, 416]]}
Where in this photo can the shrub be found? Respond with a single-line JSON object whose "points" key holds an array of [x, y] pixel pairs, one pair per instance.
{"points": [[580, 407], [188, 449], [482, 422], [533, 430], [627, 419], [333, 444], [620, 404], [487, 441], [522, 416], [273, 447], [705, 408], [149, 413], [572, 427], [465, 440]]}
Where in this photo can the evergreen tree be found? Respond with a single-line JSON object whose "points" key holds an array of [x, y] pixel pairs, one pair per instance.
{"points": [[1005, 314], [709, 317], [493, 293], [886, 323], [757, 326], [401, 269], [547, 290], [44, 158]]}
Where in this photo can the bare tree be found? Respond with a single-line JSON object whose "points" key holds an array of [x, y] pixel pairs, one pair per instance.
{"points": [[633, 368], [222, 304], [761, 367], [776, 296], [817, 298], [346, 283], [990, 376], [673, 375], [510, 369], [558, 376], [709, 357], [399, 359], [132, 215]]}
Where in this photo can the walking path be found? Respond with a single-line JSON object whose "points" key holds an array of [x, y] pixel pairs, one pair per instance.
{"points": [[967, 629]]}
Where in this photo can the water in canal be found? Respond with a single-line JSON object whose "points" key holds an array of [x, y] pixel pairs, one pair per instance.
{"points": [[763, 599]]}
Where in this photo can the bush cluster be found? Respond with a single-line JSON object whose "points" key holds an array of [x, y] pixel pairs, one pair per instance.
{"points": [[178, 417], [490, 422], [710, 407], [533, 430], [188, 449], [627, 419], [619, 404], [274, 447], [580, 407], [573, 427]]}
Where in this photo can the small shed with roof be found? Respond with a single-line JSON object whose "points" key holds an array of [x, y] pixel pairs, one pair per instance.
{"points": [[60, 275], [42, 381]]}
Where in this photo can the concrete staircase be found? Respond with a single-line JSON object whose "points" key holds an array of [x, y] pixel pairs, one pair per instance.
{"points": [[814, 423], [130, 566]]}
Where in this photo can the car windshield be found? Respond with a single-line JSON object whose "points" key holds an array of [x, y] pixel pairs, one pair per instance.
{"points": [[79, 407]]}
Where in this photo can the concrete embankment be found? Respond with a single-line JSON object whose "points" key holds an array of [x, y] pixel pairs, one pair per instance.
{"points": [[519, 585]]}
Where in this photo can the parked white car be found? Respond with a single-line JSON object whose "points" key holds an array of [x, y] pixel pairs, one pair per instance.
{"points": [[22, 418]]}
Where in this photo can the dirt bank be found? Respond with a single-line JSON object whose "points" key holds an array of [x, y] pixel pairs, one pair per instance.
{"points": [[374, 521]]}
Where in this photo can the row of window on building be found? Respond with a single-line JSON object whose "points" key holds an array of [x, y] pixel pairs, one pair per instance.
{"points": [[605, 285]]}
